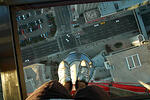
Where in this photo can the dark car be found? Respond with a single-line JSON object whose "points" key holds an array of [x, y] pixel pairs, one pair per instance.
{"points": [[39, 21], [28, 15], [75, 25], [18, 18], [23, 26], [31, 24], [23, 17], [38, 12]]}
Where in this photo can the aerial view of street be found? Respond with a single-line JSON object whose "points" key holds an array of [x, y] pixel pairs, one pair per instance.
{"points": [[58, 30], [49, 35]]}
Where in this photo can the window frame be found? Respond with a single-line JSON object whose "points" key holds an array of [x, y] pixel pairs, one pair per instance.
{"points": [[133, 61]]}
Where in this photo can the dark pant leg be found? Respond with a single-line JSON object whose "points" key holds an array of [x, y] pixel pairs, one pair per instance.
{"points": [[92, 93], [52, 89]]}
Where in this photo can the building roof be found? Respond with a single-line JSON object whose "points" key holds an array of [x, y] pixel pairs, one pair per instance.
{"points": [[115, 6], [130, 65], [98, 60]]}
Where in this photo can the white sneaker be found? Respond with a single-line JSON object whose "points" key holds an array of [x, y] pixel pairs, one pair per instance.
{"points": [[84, 72], [64, 72]]}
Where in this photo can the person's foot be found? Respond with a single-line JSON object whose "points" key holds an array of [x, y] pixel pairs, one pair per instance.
{"points": [[64, 75], [80, 85], [84, 75]]}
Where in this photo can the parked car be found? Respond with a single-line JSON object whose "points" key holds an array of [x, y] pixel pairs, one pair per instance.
{"points": [[39, 21], [40, 26], [28, 15], [38, 12], [30, 30], [23, 26], [18, 18], [23, 17], [32, 24]]}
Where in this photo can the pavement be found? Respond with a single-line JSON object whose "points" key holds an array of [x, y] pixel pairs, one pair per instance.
{"points": [[62, 19], [40, 50], [110, 28], [68, 42]]}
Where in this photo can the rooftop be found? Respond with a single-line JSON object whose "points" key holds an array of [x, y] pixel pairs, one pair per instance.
{"points": [[116, 6], [126, 65]]}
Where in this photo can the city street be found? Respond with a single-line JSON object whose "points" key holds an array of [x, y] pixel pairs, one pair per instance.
{"points": [[40, 50], [110, 28], [62, 19], [68, 41], [91, 34]]}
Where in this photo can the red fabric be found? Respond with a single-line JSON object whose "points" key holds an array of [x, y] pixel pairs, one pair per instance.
{"points": [[130, 87], [121, 86]]}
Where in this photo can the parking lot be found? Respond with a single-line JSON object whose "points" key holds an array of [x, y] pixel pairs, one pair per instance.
{"points": [[35, 25]]}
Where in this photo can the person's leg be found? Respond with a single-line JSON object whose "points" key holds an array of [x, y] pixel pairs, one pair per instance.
{"points": [[64, 75], [91, 93], [52, 89], [83, 76], [85, 92], [55, 89]]}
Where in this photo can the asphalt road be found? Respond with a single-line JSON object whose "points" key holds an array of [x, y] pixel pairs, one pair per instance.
{"points": [[109, 29], [27, 54], [68, 41], [91, 34], [62, 16], [40, 50]]}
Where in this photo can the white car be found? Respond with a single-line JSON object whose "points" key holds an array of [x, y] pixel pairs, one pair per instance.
{"points": [[68, 35], [23, 16], [30, 29], [42, 11], [96, 25], [41, 26], [50, 25], [67, 40], [39, 21], [117, 21], [74, 19], [27, 60]]}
